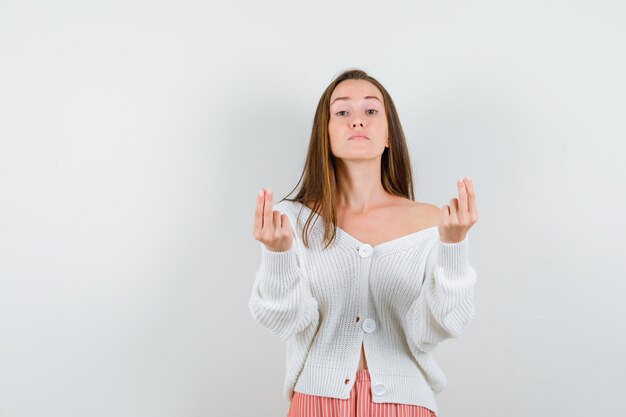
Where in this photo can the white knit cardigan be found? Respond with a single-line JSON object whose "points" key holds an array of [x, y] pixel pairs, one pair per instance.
{"points": [[400, 298]]}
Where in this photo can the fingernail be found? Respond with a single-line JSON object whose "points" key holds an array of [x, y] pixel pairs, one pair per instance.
{"points": [[460, 180], [269, 191], [469, 179], [261, 192]]}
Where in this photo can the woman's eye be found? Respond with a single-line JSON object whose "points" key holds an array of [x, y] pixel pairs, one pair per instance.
{"points": [[343, 111]]}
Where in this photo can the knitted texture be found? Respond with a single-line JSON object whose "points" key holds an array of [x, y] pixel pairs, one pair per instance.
{"points": [[399, 299]]}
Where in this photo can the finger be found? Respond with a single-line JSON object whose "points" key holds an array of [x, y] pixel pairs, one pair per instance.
{"points": [[471, 198], [462, 197], [284, 221], [454, 208], [267, 209], [276, 221], [444, 217], [258, 211]]}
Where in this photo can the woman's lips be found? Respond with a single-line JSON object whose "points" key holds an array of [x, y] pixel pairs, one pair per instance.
{"points": [[358, 138]]}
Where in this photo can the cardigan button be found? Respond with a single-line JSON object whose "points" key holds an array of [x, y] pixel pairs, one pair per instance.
{"points": [[369, 325], [365, 250], [379, 389]]}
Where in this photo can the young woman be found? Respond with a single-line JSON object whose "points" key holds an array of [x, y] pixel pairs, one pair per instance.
{"points": [[363, 297]]}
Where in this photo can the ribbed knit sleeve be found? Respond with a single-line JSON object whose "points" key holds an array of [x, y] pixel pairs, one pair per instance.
{"points": [[281, 297], [446, 300]]}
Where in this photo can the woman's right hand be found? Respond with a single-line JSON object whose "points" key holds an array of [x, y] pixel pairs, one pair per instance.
{"points": [[270, 226]]}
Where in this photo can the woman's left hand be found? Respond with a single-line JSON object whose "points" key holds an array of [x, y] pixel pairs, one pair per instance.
{"points": [[456, 218]]}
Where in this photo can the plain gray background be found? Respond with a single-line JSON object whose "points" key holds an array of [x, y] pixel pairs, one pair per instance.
{"points": [[134, 136]]}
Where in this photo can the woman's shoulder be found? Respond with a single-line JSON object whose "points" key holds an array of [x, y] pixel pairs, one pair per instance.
{"points": [[291, 208], [427, 213], [422, 210], [286, 206]]}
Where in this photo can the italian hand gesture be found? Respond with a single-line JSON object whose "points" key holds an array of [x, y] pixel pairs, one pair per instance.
{"points": [[456, 218], [270, 226]]}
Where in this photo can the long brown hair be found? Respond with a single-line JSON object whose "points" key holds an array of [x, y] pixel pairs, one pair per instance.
{"points": [[318, 176]]}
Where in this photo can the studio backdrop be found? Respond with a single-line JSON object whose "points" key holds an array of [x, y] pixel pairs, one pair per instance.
{"points": [[134, 136]]}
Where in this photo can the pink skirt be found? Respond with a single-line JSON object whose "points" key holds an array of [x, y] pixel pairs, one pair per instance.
{"points": [[358, 405]]}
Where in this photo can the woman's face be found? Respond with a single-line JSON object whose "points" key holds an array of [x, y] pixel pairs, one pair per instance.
{"points": [[356, 108]]}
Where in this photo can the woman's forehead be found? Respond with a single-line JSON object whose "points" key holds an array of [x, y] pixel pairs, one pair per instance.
{"points": [[355, 89]]}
